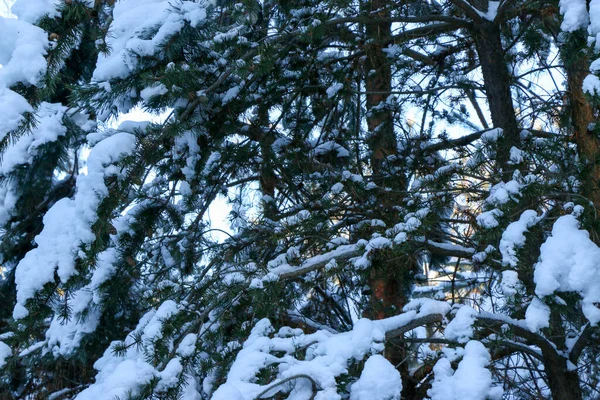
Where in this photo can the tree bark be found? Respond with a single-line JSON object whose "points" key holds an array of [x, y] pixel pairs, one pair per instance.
{"points": [[388, 287], [497, 83], [577, 67], [564, 384]]}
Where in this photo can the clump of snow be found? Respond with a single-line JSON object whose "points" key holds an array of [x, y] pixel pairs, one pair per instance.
{"points": [[49, 128], [13, 107], [22, 50], [510, 283], [503, 192], [492, 135], [230, 94], [461, 326], [575, 15], [594, 28], [537, 315], [513, 237], [188, 345], [471, 380], [64, 336], [337, 188], [568, 262], [329, 146], [379, 380], [152, 91], [332, 90], [487, 219], [591, 85]]}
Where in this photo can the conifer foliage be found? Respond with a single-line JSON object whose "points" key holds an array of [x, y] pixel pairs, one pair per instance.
{"points": [[412, 191]]}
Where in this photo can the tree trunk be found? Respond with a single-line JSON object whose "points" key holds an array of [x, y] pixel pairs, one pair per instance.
{"points": [[577, 67], [388, 287], [564, 384], [497, 86]]}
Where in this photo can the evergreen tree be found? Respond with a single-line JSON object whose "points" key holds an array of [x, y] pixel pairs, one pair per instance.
{"points": [[411, 188]]}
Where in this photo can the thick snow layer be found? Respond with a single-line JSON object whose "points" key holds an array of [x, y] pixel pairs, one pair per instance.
{"points": [[32, 10], [22, 50], [67, 224], [471, 380], [379, 380], [575, 15], [128, 37], [569, 263]]}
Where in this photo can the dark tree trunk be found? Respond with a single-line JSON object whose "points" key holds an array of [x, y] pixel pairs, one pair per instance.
{"points": [[388, 287], [497, 86], [564, 384]]}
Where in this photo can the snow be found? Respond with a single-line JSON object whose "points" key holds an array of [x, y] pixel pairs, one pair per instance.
{"points": [[510, 283], [516, 155], [487, 219], [230, 94], [460, 328], [5, 352], [492, 11], [152, 91], [64, 336], [128, 33], [32, 10], [537, 315], [575, 15], [568, 262], [22, 50], [121, 376], [513, 237], [13, 107], [379, 380], [594, 28], [328, 356], [334, 89], [492, 135], [67, 224], [188, 345], [591, 85], [503, 192], [48, 129], [337, 188], [328, 146], [471, 380], [169, 377]]}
